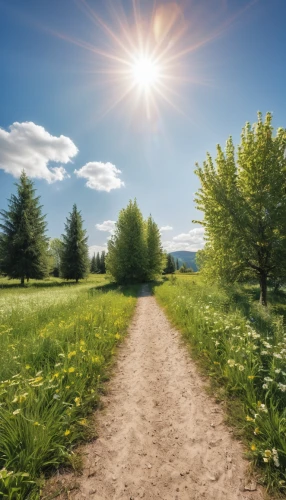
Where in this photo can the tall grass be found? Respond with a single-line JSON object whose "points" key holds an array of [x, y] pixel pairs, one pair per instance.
{"points": [[243, 348], [54, 358]]}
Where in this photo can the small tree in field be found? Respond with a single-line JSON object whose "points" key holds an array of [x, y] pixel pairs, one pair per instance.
{"points": [[23, 243], [127, 250], [74, 259], [243, 198]]}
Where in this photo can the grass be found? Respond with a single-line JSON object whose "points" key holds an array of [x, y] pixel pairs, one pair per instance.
{"points": [[57, 344], [242, 346]]}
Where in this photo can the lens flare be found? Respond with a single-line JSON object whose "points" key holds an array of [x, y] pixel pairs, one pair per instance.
{"points": [[146, 72]]}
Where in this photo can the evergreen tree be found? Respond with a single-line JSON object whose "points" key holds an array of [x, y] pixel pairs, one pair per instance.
{"points": [[74, 261], [154, 249], [243, 199], [102, 263], [170, 266], [93, 268], [23, 243], [98, 263], [177, 264], [127, 250]]}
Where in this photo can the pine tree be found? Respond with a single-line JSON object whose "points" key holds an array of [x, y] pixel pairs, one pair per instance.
{"points": [[154, 249], [74, 261], [127, 250], [97, 263], [177, 264], [93, 268], [102, 263], [23, 243]]}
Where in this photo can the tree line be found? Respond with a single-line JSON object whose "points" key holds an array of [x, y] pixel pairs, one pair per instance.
{"points": [[134, 251]]}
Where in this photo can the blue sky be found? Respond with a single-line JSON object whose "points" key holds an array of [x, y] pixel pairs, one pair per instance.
{"points": [[63, 67]]}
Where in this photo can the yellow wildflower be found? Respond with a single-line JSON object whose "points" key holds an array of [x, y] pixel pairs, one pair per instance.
{"points": [[83, 421], [67, 432], [71, 354], [267, 453], [36, 424], [71, 369], [253, 447], [27, 367], [250, 377], [77, 401], [16, 412], [249, 419]]}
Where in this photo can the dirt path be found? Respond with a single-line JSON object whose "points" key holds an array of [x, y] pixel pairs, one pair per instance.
{"points": [[160, 436]]}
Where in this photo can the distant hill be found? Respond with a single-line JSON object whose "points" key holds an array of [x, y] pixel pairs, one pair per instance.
{"points": [[188, 257]]}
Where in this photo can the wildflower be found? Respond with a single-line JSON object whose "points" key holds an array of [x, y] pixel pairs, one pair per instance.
{"points": [[77, 401], [216, 363], [16, 412], [251, 377], [277, 355], [278, 370], [117, 336], [27, 367], [67, 432], [268, 379], [241, 368], [231, 363], [253, 447], [83, 421], [265, 386], [256, 431], [275, 457], [71, 369], [71, 354], [36, 424], [282, 387], [249, 419], [23, 397]]}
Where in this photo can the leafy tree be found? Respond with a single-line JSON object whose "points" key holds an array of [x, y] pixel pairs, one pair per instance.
{"points": [[183, 268], [74, 259], [102, 263], [93, 268], [55, 250], [154, 249], [127, 258], [243, 198], [23, 243]]}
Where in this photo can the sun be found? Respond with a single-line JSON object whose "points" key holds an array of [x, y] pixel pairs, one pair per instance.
{"points": [[146, 72]]}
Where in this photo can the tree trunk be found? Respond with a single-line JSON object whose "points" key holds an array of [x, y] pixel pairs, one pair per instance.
{"points": [[76, 280], [22, 280], [263, 289]]}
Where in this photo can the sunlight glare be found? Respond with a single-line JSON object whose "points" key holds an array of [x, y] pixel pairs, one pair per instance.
{"points": [[145, 72]]}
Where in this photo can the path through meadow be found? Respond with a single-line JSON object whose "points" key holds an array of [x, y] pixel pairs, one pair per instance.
{"points": [[160, 435]]}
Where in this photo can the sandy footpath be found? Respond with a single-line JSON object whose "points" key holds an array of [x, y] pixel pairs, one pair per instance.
{"points": [[160, 435]]}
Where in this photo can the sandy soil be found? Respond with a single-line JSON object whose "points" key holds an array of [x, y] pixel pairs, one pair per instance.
{"points": [[160, 435]]}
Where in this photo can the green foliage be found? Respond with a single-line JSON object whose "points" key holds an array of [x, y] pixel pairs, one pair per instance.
{"points": [[170, 264], [56, 348], [23, 244], [74, 256], [102, 262], [243, 198], [134, 251], [93, 267], [154, 249], [55, 250], [243, 348]]}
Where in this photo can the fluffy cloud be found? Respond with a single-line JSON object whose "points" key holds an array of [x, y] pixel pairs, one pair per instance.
{"points": [[100, 176], [30, 147], [191, 241], [166, 228], [96, 248], [107, 225]]}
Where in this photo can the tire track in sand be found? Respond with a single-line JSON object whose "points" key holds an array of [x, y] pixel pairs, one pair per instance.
{"points": [[160, 435]]}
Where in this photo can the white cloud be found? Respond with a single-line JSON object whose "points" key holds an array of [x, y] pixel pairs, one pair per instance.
{"points": [[166, 228], [100, 176], [191, 241], [30, 147], [96, 248], [107, 225]]}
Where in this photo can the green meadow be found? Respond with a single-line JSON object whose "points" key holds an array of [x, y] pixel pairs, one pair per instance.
{"points": [[242, 347], [57, 342]]}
